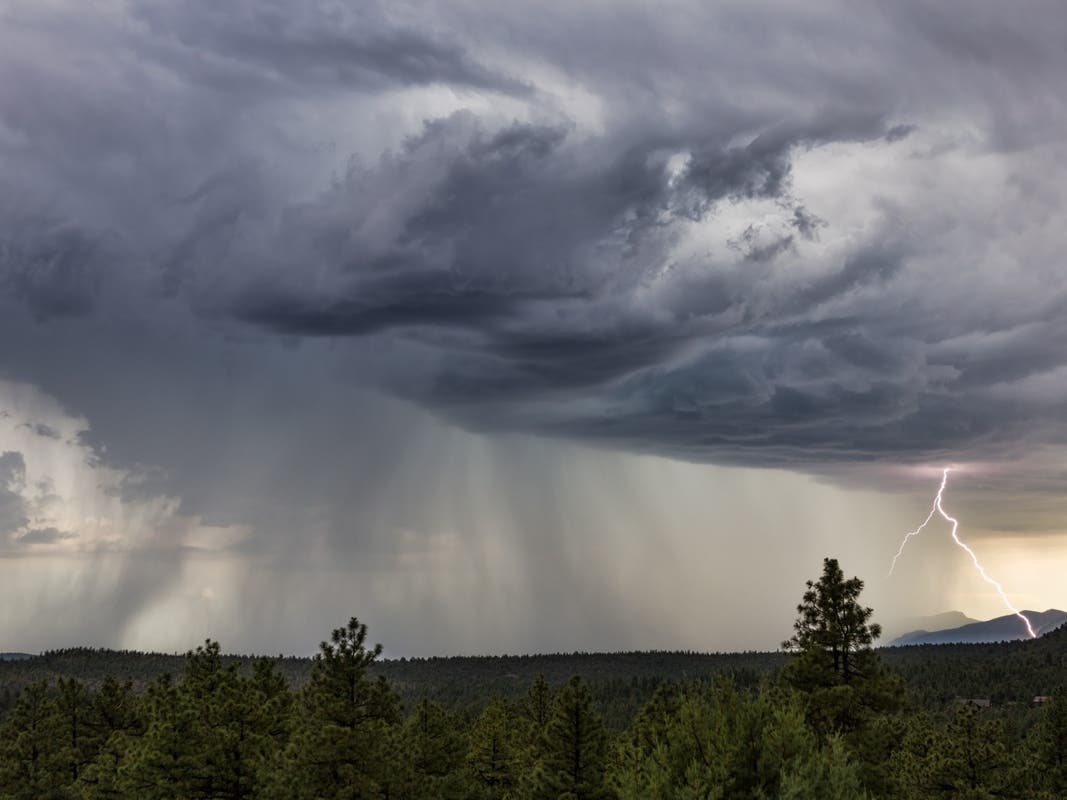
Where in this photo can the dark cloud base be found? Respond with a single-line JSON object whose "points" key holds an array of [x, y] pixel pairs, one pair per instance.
{"points": [[526, 269]]}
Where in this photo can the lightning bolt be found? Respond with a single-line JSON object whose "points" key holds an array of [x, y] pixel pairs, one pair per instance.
{"points": [[939, 509]]}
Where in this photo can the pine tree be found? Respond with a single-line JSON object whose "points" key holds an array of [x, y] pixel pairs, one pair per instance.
{"points": [[968, 758], [825, 774], [238, 725], [32, 766], [492, 758], [112, 721], [343, 744], [212, 736], [832, 630], [573, 749], [435, 747], [1051, 744], [538, 705], [160, 764], [717, 742], [534, 712], [679, 746], [79, 743], [836, 667]]}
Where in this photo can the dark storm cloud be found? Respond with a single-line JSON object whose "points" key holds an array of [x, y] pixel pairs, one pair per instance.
{"points": [[49, 265], [39, 428], [355, 46], [503, 222], [233, 235], [543, 243]]}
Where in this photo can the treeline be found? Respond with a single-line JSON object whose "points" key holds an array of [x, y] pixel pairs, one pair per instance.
{"points": [[621, 683], [834, 723]]}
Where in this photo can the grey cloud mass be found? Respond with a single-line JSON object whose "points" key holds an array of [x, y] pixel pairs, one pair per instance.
{"points": [[39, 428], [261, 248], [13, 512], [47, 535], [547, 253]]}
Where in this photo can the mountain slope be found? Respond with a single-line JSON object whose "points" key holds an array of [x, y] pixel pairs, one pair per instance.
{"points": [[1002, 629], [935, 622]]}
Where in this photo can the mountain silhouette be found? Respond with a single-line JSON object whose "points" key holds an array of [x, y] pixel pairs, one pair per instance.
{"points": [[1001, 629]]}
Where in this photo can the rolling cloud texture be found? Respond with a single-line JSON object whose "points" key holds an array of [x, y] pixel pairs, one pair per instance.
{"points": [[756, 234]]}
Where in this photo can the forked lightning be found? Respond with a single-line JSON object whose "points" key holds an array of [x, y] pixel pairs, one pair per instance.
{"points": [[939, 509]]}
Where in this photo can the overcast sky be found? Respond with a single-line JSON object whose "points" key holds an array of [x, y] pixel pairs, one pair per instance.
{"points": [[517, 327]]}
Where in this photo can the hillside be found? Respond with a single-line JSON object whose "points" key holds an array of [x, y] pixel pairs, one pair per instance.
{"points": [[934, 622], [1001, 629]]}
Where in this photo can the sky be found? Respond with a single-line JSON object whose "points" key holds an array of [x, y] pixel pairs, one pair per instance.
{"points": [[515, 327]]}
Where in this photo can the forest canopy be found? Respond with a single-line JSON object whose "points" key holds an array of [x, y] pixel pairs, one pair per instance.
{"points": [[831, 717]]}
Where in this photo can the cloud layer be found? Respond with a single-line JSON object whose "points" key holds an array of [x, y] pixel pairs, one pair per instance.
{"points": [[749, 234], [655, 252]]}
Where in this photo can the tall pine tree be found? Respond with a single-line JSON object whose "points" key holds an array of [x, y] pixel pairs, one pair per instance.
{"points": [[573, 750], [344, 742]]}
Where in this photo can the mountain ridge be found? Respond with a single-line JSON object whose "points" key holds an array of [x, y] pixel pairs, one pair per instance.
{"points": [[999, 629]]}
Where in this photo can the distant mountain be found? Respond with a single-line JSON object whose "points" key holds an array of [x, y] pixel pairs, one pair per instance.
{"points": [[930, 624], [1002, 629], [14, 656]]}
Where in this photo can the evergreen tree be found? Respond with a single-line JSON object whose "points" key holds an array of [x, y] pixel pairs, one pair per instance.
{"points": [[1050, 736], [492, 758], [534, 712], [825, 774], [716, 742], [538, 705], [832, 631], [436, 747], [114, 708], [343, 741], [32, 766], [836, 667], [573, 749], [967, 759], [160, 764], [238, 726], [80, 743], [112, 721]]}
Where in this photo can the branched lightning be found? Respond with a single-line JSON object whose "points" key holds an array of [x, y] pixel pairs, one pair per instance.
{"points": [[939, 509]]}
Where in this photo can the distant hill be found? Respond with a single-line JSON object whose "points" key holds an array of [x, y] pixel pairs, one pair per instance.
{"points": [[935, 622], [1008, 628], [15, 656]]}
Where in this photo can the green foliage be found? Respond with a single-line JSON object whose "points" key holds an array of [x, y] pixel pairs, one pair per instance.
{"points": [[494, 757], [436, 746], [966, 757], [832, 633], [1050, 745], [343, 744], [718, 742], [621, 683], [825, 774], [842, 678], [31, 748], [827, 724], [573, 752], [114, 719]]}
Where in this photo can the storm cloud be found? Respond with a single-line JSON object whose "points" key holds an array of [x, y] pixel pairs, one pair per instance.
{"points": [[12, 479], [258, 249]]}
